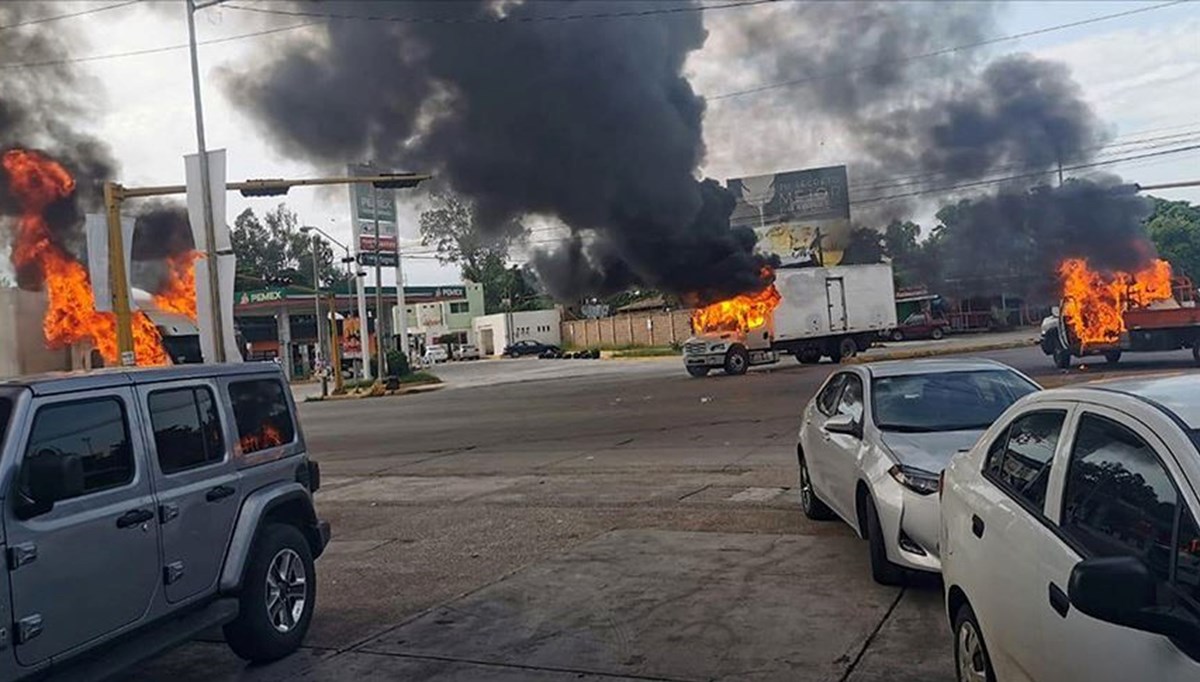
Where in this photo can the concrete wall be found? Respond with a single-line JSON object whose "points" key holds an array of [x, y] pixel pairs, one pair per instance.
{"points": [[22, 346], [650, 328]]}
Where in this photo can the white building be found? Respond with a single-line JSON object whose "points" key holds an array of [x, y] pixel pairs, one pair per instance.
{"points": [[494, 332]]}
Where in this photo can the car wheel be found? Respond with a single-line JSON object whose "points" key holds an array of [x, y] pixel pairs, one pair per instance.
{"points": [[882, 570], [897, 335], [737, 361], [698, 371], [279, 592], [1196, 352], [971, 660], [812, 505], [846, 349], [1112, 357], [937, 333], [1062, 358]]}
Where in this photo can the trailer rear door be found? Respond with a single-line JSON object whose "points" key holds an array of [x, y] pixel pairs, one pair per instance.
{"points": [[835, 298]]}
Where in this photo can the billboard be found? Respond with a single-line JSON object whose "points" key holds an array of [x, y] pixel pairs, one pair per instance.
{"points": [[803, 216], [366, 203]]}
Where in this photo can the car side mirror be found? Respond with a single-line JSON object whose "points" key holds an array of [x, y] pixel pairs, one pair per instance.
{"points": [[844, 423], [49, 476], [1121, 590]]}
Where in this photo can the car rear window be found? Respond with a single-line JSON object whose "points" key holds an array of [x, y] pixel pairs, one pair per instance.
{"points": [[5, 413], [261, 412], [945, 401]]}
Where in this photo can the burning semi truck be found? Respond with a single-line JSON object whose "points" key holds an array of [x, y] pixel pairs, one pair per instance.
{"points": [[1110, 313], [808, 312]]}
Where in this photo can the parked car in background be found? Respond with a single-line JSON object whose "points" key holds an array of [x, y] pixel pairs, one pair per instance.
{"points": [[921, 326], [528, 347], [467, 351], [435, 354], [875, 438], [1071, 549], [143, 507]]}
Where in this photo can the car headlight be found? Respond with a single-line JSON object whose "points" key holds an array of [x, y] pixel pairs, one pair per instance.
{"points": [[917, 480], [716, 347]]}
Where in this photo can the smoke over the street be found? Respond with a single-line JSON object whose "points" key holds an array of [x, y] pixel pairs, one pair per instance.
{"points": [[40, 109], [595, 122], [160, 231]]}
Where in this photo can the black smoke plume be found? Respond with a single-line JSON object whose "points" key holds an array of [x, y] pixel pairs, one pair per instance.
{"points": [[160, 231], [39, 109], [589, 120]]}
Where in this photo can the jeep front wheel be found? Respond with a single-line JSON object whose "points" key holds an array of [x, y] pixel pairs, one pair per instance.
{"points": [[279, 592]]}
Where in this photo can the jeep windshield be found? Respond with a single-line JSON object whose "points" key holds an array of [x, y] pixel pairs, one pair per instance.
{"points": [[945, 401]]}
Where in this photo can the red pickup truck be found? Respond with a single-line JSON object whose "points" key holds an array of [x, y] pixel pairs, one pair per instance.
{"points": [[921, 326]]}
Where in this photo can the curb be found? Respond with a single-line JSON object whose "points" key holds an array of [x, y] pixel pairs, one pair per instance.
{"points": [[935, 352]]}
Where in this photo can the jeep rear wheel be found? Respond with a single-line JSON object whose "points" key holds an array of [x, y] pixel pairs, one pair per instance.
{"points": [[279, 593]]}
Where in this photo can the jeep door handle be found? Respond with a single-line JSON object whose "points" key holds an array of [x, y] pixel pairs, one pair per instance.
{"points": [[977, 526], [218, 493], [134, 518]]}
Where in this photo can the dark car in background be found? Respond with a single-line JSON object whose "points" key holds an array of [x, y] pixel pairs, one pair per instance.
{"points": [[529, 347]]}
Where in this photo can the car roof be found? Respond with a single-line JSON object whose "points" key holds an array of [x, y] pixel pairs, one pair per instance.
{"points": [[1177, 394], [894, 368], [68, 382]]}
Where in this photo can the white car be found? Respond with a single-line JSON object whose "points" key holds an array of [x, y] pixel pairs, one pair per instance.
{"points": [[1070, 544], [467, 351], [875, 439], [435, 354]]}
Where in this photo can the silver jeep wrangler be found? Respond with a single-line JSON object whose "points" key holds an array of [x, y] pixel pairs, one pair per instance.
{"points": [[141, 507]]}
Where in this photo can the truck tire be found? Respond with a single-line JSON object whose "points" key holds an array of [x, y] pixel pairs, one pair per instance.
{"points": [[1062, 358], [737, 361], [844, 349], [808, 356], [937, 334], [698, 371], [280, 572], [1112, 357]]}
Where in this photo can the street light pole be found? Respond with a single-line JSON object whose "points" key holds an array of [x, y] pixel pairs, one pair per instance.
{"points": [[379, 369], [210, 246]]}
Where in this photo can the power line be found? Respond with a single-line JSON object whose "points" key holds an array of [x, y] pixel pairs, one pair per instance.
{"points": [[156, 50], [938, 53], [503, 19], [56, 17]]}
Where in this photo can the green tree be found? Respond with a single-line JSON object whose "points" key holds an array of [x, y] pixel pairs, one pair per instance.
{"points": [[272, 251], [1174, 227], [450, 226]]}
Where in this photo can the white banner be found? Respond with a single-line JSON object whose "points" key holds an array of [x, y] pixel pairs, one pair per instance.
{"points": [[195, 201], [204, 308], [224, 248], [95, 227]]}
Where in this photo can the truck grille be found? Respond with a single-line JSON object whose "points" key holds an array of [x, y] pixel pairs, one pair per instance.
{"points": [[694, 348]]}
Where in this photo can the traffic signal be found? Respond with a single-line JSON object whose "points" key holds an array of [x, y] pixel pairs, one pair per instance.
{"points": [[273, 187], [402, 181]]}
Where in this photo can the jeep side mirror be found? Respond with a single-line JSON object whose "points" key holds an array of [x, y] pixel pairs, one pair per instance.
{"points": [[49, 476], [844, 423], [1120, 590]]}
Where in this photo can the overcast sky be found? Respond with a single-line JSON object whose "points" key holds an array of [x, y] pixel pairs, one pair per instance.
{"points": [[1140, 73]]}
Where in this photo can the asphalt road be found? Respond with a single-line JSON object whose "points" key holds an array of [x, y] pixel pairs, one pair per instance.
{"points": [[595, 520]]}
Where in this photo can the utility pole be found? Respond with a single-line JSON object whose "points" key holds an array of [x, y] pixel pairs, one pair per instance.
{"points": [[119, 278], [379, 368], [210, 233]]}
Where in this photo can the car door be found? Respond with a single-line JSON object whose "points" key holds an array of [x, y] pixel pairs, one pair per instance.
{"points": [[1118, 496], [845, 450], [1008, 528], [88, 567], [197, 482], [814, 438]]}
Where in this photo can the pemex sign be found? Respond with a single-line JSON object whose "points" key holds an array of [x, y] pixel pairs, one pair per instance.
{"points": [[260, 296]]}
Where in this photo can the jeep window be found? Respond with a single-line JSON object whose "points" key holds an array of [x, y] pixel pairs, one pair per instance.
{"points": [[96, 431], [187, 430], [262, 415]]}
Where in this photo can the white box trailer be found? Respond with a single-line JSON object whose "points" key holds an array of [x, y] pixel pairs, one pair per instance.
{"points": [[830, 312]]}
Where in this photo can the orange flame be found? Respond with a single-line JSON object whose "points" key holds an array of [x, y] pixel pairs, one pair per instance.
{"points": [[740, 313], [179, 294], [37, 181], [1094, 302], [267, 436]]}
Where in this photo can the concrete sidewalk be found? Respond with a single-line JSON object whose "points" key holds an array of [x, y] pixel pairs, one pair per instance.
{"points": [[957, 343]]}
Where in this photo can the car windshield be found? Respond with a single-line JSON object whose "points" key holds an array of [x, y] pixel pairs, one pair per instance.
{"points": [[945, 401]]}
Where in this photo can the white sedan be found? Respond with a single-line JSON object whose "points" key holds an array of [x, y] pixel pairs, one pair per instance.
{"points": [[1071, 550], [875, 439]]}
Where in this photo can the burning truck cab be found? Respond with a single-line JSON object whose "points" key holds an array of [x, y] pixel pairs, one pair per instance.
{"points": [[1110, 313], [808, 312]]}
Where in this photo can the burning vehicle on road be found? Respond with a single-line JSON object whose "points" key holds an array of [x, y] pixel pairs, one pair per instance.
{"points": [[810, 312], [1109, 313]]}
